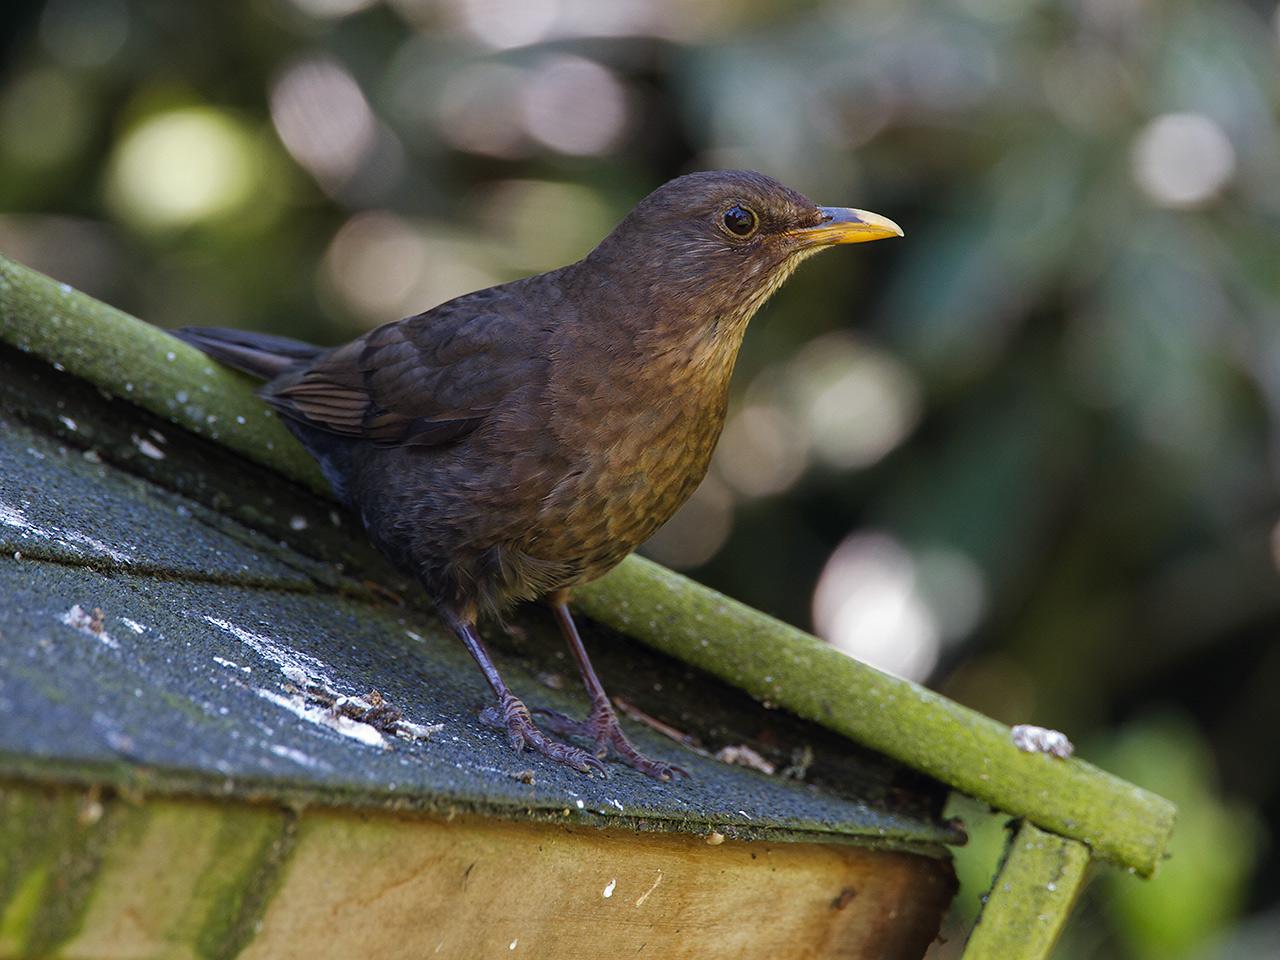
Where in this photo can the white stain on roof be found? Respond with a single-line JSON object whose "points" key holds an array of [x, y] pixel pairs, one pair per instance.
{"points": [[90, 624], [76, 540], [324, 717], [294, 664]]}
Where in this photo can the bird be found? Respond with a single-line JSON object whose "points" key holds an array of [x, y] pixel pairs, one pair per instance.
{"points": [[518, 441]]}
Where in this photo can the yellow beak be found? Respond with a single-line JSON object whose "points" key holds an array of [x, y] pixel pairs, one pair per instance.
{"points": [[846, 225]]}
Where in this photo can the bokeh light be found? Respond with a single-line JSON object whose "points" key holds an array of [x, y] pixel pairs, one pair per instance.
{"points": [[332, 9], [574, 105], [858, 401], [539, 225], [480, 109], [382, 267], [869, 605], [501, 25], [179, 167], [323, 119], [762, 451], [1182, 159]]}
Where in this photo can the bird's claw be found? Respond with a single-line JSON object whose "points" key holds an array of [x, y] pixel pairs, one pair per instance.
{"points": [[602, 729], [512, 716]]}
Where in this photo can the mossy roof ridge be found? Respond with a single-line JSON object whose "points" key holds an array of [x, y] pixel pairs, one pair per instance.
{"points": [[768, 659]]}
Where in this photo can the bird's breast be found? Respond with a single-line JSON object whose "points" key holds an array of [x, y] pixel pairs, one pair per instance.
{"points": [[633, 454]]}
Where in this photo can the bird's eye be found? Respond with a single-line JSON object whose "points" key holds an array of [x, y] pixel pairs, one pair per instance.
{"points": [[741, 221]]}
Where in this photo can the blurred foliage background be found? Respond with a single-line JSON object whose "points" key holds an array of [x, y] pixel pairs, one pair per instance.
{"points": [[1029, 455]]}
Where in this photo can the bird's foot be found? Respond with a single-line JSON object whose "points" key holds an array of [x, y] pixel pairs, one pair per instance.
{"points": [[603, 730], [512, 716]]}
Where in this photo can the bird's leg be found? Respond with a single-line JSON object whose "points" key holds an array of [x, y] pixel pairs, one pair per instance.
{"points": [[601, 726], [513, 715]]}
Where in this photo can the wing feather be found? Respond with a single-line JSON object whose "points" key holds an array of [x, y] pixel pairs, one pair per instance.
{"points": [[423, 381]]}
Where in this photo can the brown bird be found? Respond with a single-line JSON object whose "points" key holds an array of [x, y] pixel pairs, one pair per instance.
{"points": [[521, 440]]}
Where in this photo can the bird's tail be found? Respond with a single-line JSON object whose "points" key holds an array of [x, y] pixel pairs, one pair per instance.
{"points": [[259, 354]]}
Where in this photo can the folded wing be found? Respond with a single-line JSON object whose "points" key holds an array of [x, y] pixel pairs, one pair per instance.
{"points": [[423, 381]]}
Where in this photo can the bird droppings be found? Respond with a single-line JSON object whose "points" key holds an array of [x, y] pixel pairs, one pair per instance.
{"points": [[91, 623], [744, 756], [13, 517], [370, 710], [1032, 739], [74, 540], [303, 666], [513, 944], [297, 704], [715, 838], [310, 694], [609, 888], [231, 664]]}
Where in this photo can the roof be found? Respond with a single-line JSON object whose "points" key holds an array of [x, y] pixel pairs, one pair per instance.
{"points": [[186, 622], [750, 651]]}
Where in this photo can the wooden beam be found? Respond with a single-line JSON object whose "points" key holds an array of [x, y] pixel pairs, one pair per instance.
{"points": [[179, 877], [1030, 898]]}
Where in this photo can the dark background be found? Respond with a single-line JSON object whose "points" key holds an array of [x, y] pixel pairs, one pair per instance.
{"points": [[1028, 455]]}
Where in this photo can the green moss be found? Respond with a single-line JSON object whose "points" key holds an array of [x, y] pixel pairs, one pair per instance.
{"points": [[20, 911], [50, 850], [252, 848], [1030, 899]]}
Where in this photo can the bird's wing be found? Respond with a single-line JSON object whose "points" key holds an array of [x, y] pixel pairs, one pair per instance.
{"points": [[422, 381]]}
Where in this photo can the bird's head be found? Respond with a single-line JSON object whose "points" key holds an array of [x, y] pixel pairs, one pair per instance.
{"points": [[709, 248]]}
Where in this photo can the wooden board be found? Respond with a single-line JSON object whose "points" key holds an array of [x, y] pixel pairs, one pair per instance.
{"points": [[178, 878]]}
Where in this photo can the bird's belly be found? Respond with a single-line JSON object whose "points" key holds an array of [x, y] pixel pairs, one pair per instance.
{"points": [[604, 510]]}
